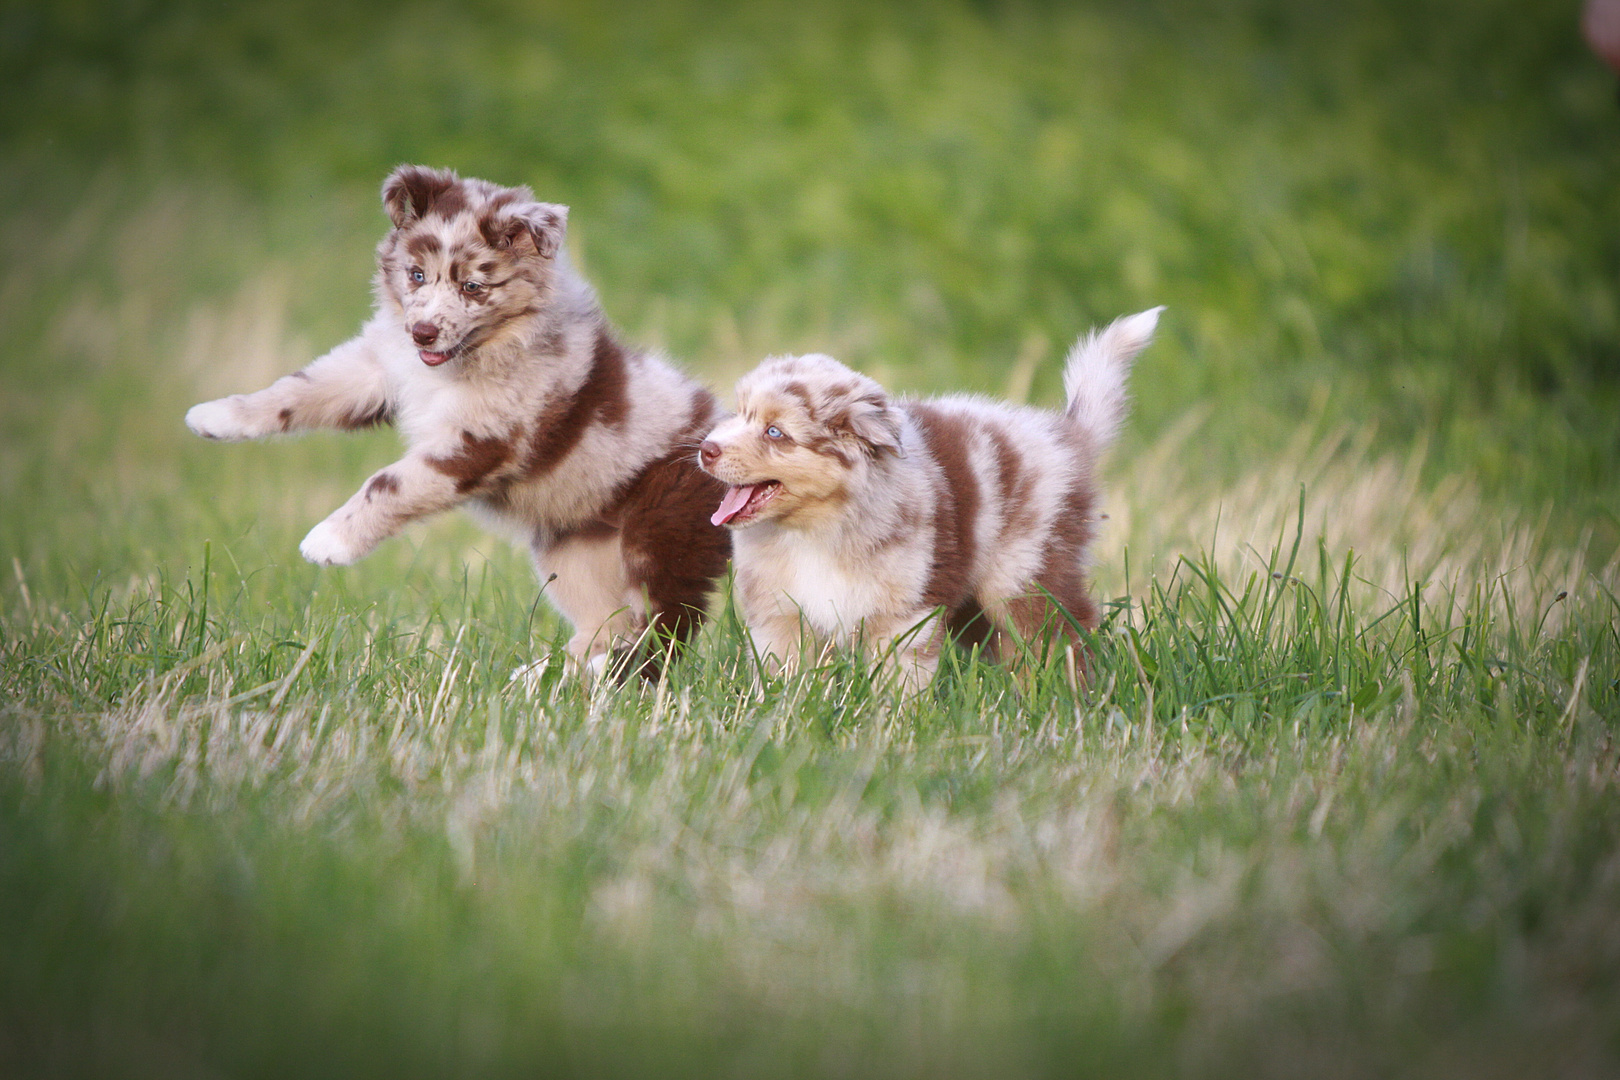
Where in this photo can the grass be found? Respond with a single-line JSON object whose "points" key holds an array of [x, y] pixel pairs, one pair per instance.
{"points": [[1339, 797]]}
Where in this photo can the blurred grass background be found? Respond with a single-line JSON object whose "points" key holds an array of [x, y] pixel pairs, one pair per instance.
{"points": [[1407, 206], [241, 798]]}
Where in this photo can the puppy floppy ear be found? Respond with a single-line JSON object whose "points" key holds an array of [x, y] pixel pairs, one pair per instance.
{"points": [[865, 415], [542, 224], [411, 190]]}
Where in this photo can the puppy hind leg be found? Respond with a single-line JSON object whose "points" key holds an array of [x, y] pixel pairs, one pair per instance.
{"points": [[595, 649], [678, 593], [665, 634], [588, 586], [1034, 627], [588, 655]]}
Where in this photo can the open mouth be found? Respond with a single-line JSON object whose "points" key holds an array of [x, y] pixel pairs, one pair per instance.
{"points": [[434, 359], [743, 502]]}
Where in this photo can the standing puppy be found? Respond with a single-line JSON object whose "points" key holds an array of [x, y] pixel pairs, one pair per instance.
{"points": [[856, 519], [493, 358]]}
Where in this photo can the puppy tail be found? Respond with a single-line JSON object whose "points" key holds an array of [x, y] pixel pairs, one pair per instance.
{"points": [[1094, 375]]}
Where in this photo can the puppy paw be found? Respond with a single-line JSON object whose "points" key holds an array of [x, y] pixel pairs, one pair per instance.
{"points": [[217, 420], [329, 545]]}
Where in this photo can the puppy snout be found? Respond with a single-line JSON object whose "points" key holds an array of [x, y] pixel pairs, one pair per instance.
{"points": [[424, 333], [709, 452]]}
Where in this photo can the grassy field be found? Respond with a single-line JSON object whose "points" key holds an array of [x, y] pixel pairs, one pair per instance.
{"points": [[1342, 795]]}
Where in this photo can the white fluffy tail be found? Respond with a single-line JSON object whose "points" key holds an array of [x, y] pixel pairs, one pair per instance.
{"points": [[1094, 375]]}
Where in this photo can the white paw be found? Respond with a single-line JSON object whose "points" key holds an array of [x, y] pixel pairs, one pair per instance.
{"points": [[216, 420], [328, 545]]}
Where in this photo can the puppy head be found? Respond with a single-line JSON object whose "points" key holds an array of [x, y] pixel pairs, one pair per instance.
{"points": [[466, 259], [807, 431]]}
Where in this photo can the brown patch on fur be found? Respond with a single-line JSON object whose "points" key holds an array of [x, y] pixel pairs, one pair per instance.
{"points": [[956, 504], [1017, 484], [609, 375], [968, 626], [413, 190], [601, 399], [670, 548], [828, 446], [802, 392], [450, 202], [285, 416], [379, 414], [1061, 580], [700, 411], [422, 244], [475, 461], [304, 375], [500, 231], [1063, 570], [503, 198], [384, 483], [592, 529]]}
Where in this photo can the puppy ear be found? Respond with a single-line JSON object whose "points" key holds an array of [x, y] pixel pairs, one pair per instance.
{"points": [[411, 190], [866, 415], [542, 224]]}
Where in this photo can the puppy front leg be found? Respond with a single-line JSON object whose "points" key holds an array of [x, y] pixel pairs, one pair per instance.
{"points": [[908, 648], [344, 389], [777, 640], [413, 487]]}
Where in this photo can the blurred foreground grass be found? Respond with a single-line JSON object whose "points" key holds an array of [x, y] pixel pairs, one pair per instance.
{"points": [[1339, 800]]}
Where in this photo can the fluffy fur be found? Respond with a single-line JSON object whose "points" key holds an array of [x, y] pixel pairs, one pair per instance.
{"points": [[859, 520], [493, 358]]}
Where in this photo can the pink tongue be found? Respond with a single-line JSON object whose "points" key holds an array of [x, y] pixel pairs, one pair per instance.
{"points": [[433, 359], [735, 499]]}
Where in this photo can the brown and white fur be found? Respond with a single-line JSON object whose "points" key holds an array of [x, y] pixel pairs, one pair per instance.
{"points": [[856, 519], [493, 358]]}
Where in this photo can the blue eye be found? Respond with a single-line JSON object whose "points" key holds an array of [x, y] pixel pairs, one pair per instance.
{"points": [[417, 275], [773, 432]]}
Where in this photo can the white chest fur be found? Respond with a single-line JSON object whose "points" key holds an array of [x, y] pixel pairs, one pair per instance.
{"points": [[831, 596]]}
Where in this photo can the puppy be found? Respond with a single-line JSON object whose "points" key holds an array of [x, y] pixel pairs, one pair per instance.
{"points": [[859, 520], [493, 358]]}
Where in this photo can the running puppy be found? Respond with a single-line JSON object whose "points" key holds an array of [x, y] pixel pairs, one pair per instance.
{"points": [[856, 519], [493, 358]]}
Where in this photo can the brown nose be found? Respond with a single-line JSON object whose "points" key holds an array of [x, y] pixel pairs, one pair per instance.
{"points": [[425, 333], [709, 452]]}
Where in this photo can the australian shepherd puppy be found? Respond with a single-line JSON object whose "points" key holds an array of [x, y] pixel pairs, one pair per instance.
{"points": [[493, 358], [861, 520]]}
